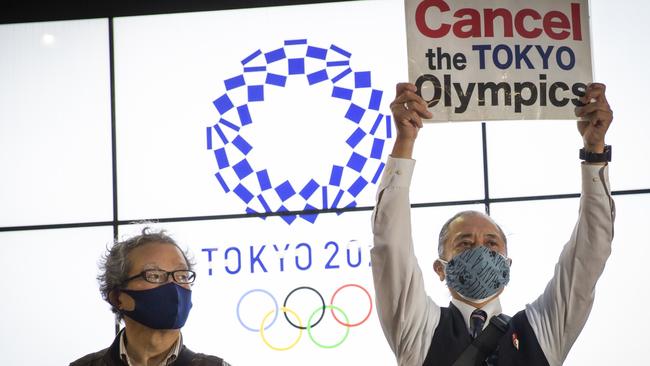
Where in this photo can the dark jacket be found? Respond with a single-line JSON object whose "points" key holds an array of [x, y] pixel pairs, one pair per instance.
{"points": [[111, 357]]}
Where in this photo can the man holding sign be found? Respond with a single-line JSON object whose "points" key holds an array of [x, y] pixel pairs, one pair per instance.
{"points": [[473, 260], [477, 61]]}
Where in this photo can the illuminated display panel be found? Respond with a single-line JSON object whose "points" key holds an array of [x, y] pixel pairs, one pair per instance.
{"points": [[536, 233], [621, 65], [55, 139], [169, 69], [245, 267], [523, 156], [241, 263], [299, 123], [54, 313]]}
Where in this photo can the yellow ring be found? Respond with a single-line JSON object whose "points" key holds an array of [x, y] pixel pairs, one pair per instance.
{"points": [[284, 310]]}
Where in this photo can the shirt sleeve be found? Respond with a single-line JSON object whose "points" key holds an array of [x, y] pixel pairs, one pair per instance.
{"points": [[560, 313], [407, 315]]}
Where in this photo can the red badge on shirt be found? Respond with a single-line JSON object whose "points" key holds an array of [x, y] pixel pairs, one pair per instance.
{"points": [[515, 340]]}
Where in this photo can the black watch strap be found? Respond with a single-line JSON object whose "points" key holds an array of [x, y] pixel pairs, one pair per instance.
{"points": [[592, 157]]}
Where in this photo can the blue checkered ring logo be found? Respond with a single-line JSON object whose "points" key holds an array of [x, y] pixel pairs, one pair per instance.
{"points": [[263, 75]]}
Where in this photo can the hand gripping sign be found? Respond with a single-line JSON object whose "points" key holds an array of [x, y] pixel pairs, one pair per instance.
{"points": [[499, 60]]}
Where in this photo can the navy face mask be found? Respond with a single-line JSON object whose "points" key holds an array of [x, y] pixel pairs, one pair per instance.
{"points": [[162, 307]]}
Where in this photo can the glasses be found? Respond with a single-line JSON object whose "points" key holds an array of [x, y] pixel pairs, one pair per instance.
{"points": [[181, 276]]}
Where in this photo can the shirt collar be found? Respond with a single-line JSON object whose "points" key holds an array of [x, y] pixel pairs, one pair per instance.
{"points": [[171, 356], [492, 308]]}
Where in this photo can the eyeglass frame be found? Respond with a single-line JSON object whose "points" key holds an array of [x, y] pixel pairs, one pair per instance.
{"points": [[167, 273]]}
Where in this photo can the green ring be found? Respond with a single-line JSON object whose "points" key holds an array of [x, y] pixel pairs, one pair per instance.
{"points": [[321, 308]]}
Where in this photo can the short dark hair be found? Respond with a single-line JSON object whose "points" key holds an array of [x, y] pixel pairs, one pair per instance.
{"points": [[115, 266], [444, 231]]}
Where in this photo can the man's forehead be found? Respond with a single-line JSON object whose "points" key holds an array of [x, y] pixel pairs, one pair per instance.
{"points": [[471, 224], [467, 235], [156, 265], [155, 254]]}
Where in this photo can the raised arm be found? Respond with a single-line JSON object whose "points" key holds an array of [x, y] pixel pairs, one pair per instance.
{"points": [[560, 313], [407, 315]]}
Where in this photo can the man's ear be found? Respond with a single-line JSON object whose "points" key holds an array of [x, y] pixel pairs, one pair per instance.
{"points": [[121, 300], [439, 268], [114, 299]]}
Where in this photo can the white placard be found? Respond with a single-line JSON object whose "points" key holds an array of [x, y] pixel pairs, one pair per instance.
{"points": [[499, 60]]}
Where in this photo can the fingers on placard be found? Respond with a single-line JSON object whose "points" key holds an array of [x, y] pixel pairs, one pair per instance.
{"points": [[411, 101], [595, 91], [402, 87], [420, 108], [592, 107], [408, 105]]}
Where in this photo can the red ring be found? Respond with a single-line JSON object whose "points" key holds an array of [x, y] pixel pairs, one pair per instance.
{"points": [[369, 311]]}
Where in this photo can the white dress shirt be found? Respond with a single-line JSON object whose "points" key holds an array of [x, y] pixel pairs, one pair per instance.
{"points": [[409, 317]]}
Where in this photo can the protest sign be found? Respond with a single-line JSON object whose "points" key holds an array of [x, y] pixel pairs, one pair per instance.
{"points": [[499, 60]]}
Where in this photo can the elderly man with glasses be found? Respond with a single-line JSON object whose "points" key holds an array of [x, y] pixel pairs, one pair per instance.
{"points": [[147, 280]]}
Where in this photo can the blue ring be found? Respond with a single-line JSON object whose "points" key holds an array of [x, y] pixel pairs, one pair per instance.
{"points": [[242, 298]]}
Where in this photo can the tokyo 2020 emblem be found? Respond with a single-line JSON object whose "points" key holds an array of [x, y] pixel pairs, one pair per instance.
{"points": [[267, 74]]}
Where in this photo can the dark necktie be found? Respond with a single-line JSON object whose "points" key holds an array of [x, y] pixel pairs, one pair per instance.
{"points": [[476, 321]]}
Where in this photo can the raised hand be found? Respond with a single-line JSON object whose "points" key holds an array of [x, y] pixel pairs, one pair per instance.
{"points": [[408, 111], [597, 116]]}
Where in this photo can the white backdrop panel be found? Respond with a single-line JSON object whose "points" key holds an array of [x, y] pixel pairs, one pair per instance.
{"points": [[53, 311], [522, 155], [620, 61], [222, 281], [236, 256], [55, 137], [537, 231], [527, 158], [169, 70]]}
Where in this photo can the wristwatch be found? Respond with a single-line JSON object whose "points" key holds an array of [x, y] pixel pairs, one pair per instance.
{"points": [[592, 157]]}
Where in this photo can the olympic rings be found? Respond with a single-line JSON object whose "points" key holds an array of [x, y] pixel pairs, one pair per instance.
{"points": [[347, 324], [322, 307], [246, 294], [285, 311], [347, 329], [263, 327]]}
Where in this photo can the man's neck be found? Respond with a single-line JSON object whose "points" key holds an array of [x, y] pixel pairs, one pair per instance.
{"points": [[477, 305], [146, 346]]}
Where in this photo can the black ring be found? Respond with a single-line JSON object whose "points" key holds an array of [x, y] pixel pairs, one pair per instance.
{"points": [[321, 300]]}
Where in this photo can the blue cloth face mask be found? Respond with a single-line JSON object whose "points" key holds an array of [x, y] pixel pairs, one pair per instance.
{"points": [[162, 307], [477, 274]]}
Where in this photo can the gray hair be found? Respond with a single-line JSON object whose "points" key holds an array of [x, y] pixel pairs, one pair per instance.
{"points": [[114, 265], [444, 231]]}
